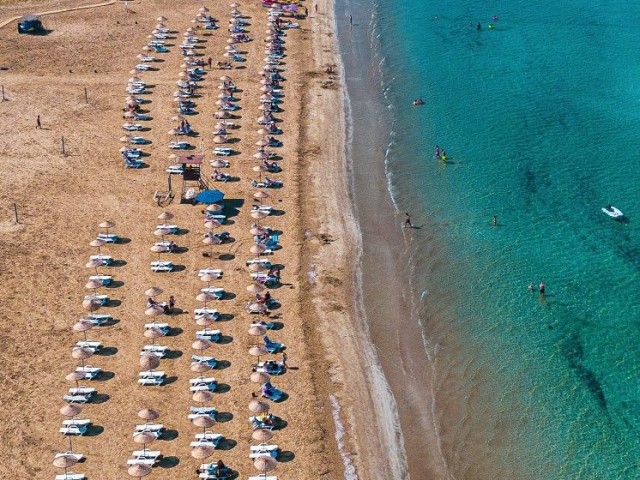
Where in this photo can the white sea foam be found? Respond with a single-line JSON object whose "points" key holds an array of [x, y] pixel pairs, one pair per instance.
{"points": [[349, 468]]}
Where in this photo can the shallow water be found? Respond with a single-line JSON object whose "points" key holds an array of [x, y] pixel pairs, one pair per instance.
{"points": [[540, 119]]}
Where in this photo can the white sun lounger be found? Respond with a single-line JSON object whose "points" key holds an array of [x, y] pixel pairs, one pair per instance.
{"points": [[193, 416], [146, 454], [263, 261], [149, 427], [203, 387], [264, 450], [161, 326], [99, 318], [105, 259], [199, 312], [263, 208], [102, 278], [175, 170], [218, 291], [157, 350], [90, 370], [204, 443], [98, 298], [212, 335], [108, 237], [150, 382], [263, 477], [171, 228], [76, 398], [73, 430], [216, 272], [160, 266], [196, 381], [71, 476], [209, 436], [82, 391], [89, 344], [152, 374], [142, 461], [76, 421]]}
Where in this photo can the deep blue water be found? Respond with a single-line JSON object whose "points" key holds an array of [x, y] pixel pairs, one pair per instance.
{"points": [[540, 117]]}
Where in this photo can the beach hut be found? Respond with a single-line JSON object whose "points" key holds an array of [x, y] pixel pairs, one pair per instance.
{"points": [[31, 25]]}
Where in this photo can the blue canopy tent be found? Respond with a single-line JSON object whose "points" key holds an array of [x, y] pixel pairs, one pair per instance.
{"points": [[209, 196], [30, 24]]}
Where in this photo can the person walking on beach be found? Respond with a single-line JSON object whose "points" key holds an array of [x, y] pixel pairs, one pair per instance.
{"points": [[306, 12], [284, 359], [351, 20], [407, 221], [210, 62], [38, 123], [172, 302]]}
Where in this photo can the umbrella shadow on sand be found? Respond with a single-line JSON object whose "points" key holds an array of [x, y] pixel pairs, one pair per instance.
{"points": [[99, 398], [169, 435], [225, 340], [174, 332], [94, 430], [222, 388], [222, 364], [227, 444], [107, 351], [173, 354], [104, 376], [285, 456], [223, 417]]}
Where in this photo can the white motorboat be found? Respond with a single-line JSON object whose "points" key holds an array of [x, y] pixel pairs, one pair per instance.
{"points": [[613, 212]]}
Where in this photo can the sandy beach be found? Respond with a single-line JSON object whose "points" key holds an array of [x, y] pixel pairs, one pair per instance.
{"points": [[60, 200]]}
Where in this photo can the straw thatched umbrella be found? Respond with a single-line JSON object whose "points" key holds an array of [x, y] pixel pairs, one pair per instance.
{"points": [[255, 288], [202, 396], [129, 115], [82, 326], [154, 311], [257, 249], [207, 277], [258, 215], [260, 377], [157, 249], [260, 169], [201, 367], [97, 243], [139, 470], [164, 216], [149, 361], [148, 414], [256, 267], [205, 321], [153, 291], [94, 263], [225, 78], [204, 422], [262, 435], [65, 461], [70, 410], [144, 438], [265, 464], [261, 195], [153, 333], [201, 345], [212, 224], [220, 139], [93, 284], [162, 19], [203, 9], [205, 297], [161, 232], [218, 163], [81, 353], [90, 305], [262, 143], [202, 451], [107, 224], [258, 406], [211, 241], [258, 308], [258, 351], [257, 230], [258, 330], [74, 377]]}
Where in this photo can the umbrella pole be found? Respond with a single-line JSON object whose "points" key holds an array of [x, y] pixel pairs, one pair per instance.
{"points": [[70, 444]]}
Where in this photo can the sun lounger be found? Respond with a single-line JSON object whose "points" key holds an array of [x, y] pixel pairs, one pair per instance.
{"points": [[133, 164], [271, 346], [89, 369], [149, 427], [160, 266], [175, 170], [164, 327], [76, 398], [152, 374], [211, 361], [71, 476], [181, 145], [200, 312], [172, 228], [158, 350], [142, 461], [272, 184], [264, 450], [102, 299], [95, 346], [195, 412], [272, 368], [266, 264], [82, 391], [99, 319], [78, 430], [211, 335], [76, 421], [203, 387], [155, 454], [147, 59], [209, 437], [108, 237], [256, 423], [150, 382], [263, 277], [105, 259], [217, 272], [262, 208], [105, 279], [199, 380], [222, 151], [142, 67], [267, 325], [69, 453], [132, 127], [218, 292], [139, 141], [263, 477], [274, 394]]}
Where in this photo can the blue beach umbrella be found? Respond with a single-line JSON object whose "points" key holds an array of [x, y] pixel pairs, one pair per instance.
{"points": [[210, 196]]}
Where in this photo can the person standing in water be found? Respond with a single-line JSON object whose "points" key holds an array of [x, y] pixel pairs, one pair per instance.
{"points": [[407, 221], [495, 220], [541, 288], [436, 151]]}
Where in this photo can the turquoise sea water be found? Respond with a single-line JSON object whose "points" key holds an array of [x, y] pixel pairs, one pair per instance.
{"points": [[540, 117]]}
